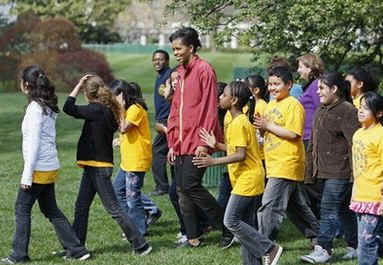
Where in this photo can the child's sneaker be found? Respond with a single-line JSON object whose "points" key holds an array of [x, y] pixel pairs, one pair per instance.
{"points": [[272, 257], [181, 239], [352, 253], [80, 256], [319, 255], [9, 260], [145, 250]]}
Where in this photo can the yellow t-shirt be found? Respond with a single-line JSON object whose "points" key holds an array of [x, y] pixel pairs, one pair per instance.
{"points": [[356, 101], [260, 108], [285, 158], [247, 177], [45, 177], [135, 144], [367, 158]]}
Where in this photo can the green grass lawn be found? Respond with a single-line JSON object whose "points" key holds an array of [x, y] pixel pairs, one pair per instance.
{"points": [[104, 236]]}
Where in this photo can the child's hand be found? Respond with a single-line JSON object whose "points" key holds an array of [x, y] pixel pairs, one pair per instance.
{"points": [[116, 142], [208, 138], [203, 161], [260, 122], [25, 187]]}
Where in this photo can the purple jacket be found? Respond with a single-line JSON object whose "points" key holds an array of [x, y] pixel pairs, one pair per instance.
{"points": [[310, 102]]}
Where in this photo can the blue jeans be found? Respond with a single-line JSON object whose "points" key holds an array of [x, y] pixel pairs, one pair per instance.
{"points": [[334, 208], [97, 180], [45, 195], [224, 190], [127, 186], [119, 185], [240, 220], [370, 232]]}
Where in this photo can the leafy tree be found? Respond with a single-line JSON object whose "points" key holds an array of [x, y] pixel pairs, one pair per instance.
{"points": [[339, 30], [82, 13]]}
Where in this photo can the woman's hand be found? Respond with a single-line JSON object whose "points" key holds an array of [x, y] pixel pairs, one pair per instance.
{"points": [[171, 157], [208, 138]]}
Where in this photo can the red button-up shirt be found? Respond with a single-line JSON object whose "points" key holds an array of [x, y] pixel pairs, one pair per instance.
{"points": [[194, 106]]}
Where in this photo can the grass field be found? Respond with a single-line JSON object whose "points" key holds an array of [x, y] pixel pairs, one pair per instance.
{"points": [[104, 236]]}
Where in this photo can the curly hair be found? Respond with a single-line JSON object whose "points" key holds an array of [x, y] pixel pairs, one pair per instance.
{"points": [[39, 88], [96, 91]]}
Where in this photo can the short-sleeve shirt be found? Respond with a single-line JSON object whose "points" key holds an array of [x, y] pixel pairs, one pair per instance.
{"points": [[285, 158], [246, 177], [367, 157], [135, 144]]}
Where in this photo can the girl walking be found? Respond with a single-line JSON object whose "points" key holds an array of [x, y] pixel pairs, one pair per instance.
{"points": [[136, 155], [41, 168], [366, 201], [246, 176], [95, 155]]}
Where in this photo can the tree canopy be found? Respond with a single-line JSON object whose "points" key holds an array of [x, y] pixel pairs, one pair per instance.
{"points": [[337, 30], [85, 14]]}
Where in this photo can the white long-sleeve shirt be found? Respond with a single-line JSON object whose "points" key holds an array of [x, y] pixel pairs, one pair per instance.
{"points": [[39, 142]]}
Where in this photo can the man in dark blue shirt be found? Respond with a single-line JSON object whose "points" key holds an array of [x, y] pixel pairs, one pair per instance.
{"points": [[160, 148]]}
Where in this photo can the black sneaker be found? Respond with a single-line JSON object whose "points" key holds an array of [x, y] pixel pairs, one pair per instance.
{"points": [[152, 218], [84, 255], [226, 242], [158, 193], [145, 250]]}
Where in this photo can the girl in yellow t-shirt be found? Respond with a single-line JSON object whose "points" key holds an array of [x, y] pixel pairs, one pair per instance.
{"points": [[361, 82], [367, 154], [258, 104], [135, 150], [246, 175]]}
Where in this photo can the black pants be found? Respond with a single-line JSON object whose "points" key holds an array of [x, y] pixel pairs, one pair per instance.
{"points": [[192, 194], [97, 180], [160, 150], [45, 195]]}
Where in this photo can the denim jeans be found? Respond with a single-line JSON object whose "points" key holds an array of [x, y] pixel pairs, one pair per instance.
{"points": [[45, 195], [370, 244], [334, 208], [127, 186], [97, 180], [239, 219], [283, 198], [160, 151], [192, 195], [224, 190]]}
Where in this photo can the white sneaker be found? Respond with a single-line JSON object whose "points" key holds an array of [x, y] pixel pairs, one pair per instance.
{"points": [[319, 255], [181, 240], [352, 253], [179, 235]]}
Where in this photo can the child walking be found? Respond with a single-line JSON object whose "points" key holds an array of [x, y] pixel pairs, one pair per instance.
{"points": [[246, 176], [361, 82], [41, 168], [282, 125], [135, 150], [366, 201], [95, 155]]}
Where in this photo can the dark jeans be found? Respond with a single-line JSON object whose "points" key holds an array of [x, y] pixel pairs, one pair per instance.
{"points": [[224, 190], [97, 180], [370, 232], [192, 195], [160, 151], [284, 197], [175, 202], [239, 219], [334, 207], [45, 195]]}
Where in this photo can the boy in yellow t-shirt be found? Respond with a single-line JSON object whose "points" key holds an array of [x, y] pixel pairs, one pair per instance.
{"points": [[282, 125], [246, 175], [136, 153]]}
